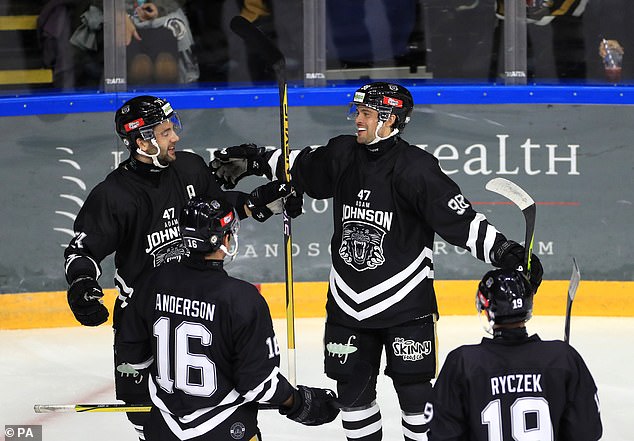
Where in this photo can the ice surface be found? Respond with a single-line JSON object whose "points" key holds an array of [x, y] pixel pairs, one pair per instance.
{"points": [[74, 365]]}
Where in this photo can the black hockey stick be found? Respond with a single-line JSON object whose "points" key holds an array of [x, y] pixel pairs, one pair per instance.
{"points": [[519, 197], [575, 278], [253, 37]]}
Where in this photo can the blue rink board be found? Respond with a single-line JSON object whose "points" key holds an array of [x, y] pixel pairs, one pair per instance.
{"points": [[201, 98]]}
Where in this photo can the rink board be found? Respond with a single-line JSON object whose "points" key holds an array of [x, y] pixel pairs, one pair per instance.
{"points": [[455, 297]]}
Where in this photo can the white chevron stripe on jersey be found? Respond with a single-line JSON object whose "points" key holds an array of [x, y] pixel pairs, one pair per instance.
{"points": [[474, 237], [72, 257], [273, 379], [383, 305], [489, 240], [230, 398], [204, 427], [124, 290], [384, 286], [474, 229]]}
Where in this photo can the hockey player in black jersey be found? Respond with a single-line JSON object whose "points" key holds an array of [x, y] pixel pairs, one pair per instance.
{"points": [[134, 214], [513, 386], [208, 341], [390, 198]]}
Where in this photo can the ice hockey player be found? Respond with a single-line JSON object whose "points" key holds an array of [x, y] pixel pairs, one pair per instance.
{"points": [[208, 341], [390, 198], [134, 212], [513, 386]]}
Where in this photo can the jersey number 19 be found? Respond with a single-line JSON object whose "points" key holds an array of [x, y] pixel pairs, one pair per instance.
{"points": [[530, 420]]}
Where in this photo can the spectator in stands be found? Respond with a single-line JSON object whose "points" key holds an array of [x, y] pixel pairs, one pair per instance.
{"points": [[158, 38], [210, 19], [565, 18], [162, 48]]}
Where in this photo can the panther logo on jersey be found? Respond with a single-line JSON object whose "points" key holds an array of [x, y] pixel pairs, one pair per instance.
{"points": [[169, 253], [362, 245]]}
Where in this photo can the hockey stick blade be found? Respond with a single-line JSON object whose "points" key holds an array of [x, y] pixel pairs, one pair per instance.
{"points": [[525, 202], [575, 278], [255, 38], [511, 191]]}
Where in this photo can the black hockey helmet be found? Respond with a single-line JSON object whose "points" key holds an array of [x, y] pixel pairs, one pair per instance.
{"points": [[506, 296], [138, 116], [387, 99], [204, 222]]}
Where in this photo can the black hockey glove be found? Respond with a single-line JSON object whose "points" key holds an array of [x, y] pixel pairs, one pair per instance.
{"points": [[312, 406], [84, 299], [294, 204], [231, 164], [268, 199], [510, 254]]}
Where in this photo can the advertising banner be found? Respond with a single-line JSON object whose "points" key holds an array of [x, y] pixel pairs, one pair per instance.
{"points": [[575, 161]]}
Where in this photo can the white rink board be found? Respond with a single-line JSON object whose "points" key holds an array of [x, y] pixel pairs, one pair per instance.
{"points": [[74, 365]]}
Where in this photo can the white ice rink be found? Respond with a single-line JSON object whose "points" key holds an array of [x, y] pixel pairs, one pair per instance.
{"points": [[74, 365]]}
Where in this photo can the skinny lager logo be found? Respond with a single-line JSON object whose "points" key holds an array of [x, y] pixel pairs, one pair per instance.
{"points": [[341, 350], [411, 350]]}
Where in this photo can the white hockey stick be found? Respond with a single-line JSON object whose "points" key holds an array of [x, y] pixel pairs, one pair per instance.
{"points": [[519, 197], [575, 278]]}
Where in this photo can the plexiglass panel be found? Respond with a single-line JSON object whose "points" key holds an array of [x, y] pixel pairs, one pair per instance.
{"points": [[131, 45]]}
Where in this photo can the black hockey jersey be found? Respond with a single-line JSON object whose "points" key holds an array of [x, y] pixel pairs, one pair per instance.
{"points": [[211, 340], [387, 209], [136, 215], [507, 389]]}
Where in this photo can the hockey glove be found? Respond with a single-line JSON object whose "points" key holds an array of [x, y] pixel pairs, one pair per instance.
{"points": [[84, 299], [294, 204], [312, 406], [268, 199], [231, 164], [510, 254]]}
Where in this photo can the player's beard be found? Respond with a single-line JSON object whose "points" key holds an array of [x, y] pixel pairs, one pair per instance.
{"points": [[363, 135], [168, 156]]}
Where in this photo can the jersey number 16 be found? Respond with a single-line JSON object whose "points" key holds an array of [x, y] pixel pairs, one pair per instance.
{"points": [[184, 360]]}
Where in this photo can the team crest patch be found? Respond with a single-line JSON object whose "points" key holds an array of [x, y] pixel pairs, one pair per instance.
{"points": [[237, 430], [362, 245]]}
